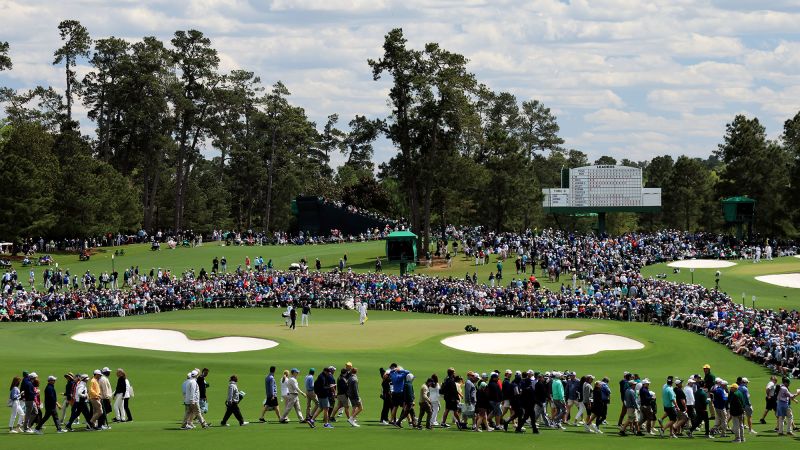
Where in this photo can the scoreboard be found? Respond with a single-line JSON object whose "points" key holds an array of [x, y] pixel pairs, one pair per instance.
{"points": [[603, 188]]}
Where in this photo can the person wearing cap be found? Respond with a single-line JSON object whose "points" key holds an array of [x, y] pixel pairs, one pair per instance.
{"points": [[680, 402], [771, 397], [232, 403], [559, 404], [647, 405], [69, 392], [470, 400], [736, 407], [719, 398], [81, 398], [408, 403], [354, 396], [670, 405], [292, 399], [631, 406], [325, 388], [494, 393], [425, 404], [28, 395], [572, 392], [311, 397], [105, 394], [523, 402], [748, 405], [51, 406], [623, 386], [709, 380], [95, 400], [191, 399], [691, 412]]}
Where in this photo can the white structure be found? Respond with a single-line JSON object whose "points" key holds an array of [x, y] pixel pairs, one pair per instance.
{"points": [[602, 189]]}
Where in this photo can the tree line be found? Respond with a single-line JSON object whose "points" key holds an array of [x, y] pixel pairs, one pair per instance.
{"points": [[464, 153]]}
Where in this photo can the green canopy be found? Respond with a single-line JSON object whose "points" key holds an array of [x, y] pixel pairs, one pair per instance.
{"points": [[401, 246]]}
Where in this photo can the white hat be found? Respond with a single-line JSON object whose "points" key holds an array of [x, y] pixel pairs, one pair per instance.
{"points": [[745, 380], [193, 373], [646, 381], [33, 375], [105, 369], [51, 378], [97, 372], [723, 382], [690, 381], [410, 377]]}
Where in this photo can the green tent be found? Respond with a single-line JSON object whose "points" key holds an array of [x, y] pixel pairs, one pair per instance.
{"points": [[401, 246]]}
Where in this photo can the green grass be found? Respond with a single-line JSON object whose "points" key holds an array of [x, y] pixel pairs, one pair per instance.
{"points": [[740, 279], [334, 338], [412, 340], [360, 256]]}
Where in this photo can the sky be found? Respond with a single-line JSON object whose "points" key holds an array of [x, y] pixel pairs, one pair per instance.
{"points": [[630, 79]]}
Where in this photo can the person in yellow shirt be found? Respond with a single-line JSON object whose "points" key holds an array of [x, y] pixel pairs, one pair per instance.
{"points": [[95, 397]]}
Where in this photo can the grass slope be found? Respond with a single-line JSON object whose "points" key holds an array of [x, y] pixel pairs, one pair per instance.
{"points": [[334, 338]]}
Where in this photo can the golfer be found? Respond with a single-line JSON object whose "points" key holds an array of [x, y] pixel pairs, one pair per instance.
{"points": [[51, 406], [291, 401], [362, 312]]}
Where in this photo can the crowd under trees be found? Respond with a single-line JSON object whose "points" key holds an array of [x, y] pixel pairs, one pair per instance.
{"points": [[465, 154]]}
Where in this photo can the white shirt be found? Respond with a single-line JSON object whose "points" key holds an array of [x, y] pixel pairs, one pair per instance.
{"points": [[434, 393], [689, 395], [191, 392], [284, 387]]}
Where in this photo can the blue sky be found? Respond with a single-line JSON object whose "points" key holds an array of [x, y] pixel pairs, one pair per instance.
{"points": [[633, 79]]}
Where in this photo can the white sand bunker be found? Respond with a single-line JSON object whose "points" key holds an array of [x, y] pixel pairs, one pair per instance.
{"points": [[172, 341], [790, 280], [701, 264], [543, 343]]}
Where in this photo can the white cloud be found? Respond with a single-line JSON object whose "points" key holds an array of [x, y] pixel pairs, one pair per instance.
{"points": [[633, 77]]}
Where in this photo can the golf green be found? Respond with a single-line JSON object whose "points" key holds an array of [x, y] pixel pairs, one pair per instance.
{"points": [[333, 338], [739, 281]]}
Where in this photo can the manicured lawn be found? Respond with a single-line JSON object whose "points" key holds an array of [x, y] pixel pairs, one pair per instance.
{"points": [[360, 256], [334, 337], [740, 279]]}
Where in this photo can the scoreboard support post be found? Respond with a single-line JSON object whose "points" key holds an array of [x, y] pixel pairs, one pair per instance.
{"points": [[601, 223]]}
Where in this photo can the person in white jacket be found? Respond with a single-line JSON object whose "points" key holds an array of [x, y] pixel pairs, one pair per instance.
{"points": [[191, 399]]}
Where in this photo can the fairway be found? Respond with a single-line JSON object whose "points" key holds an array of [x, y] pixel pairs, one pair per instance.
{"points": [[740, 279], [334, 337]]}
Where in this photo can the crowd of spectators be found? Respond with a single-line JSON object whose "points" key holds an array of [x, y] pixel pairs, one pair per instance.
{"points": [[604, 283]]}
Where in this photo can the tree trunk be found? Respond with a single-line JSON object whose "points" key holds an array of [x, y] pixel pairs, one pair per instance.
{"points": [[270, 172]]}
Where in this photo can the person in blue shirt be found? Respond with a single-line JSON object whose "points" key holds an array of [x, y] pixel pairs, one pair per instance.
{"points": [[271, 402], [720, 399], [398, 377]]}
